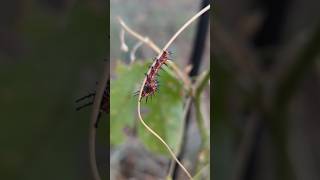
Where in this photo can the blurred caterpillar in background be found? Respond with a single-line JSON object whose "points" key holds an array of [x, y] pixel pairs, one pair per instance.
{"points": [[104, 106]]}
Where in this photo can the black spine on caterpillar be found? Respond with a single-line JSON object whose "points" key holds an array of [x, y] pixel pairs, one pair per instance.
{"points": [[152, 85]]}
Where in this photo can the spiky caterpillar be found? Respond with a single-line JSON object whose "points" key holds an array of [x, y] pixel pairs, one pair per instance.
{"points": [[152, 85]]}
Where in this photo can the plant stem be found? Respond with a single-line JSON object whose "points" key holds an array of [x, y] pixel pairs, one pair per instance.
{"points": [[145, 40], [141, 89], [184, 27], [184, 117], [203, 80], [94, 116], [154, 47], [198, 174]]}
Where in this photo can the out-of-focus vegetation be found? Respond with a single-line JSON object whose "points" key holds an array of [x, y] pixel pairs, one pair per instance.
{"points": [[163, 112], [266, 90], [51, 53], [158, 20]]}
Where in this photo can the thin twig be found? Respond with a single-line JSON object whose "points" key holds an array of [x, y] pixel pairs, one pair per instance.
{"points": [[185, 113], [94, 116], [201, 171], [124, 46], [133, 51], [184, 27], [183, 76], [200, 85], [145, 39], [141, 89], [154, 47]]}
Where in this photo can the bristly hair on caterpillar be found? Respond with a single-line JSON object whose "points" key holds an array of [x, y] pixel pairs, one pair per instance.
{"points": [[104, 106], [151, 85]]}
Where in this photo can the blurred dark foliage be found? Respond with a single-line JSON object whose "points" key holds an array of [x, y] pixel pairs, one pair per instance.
{"points": [[51, 53], [266, 89]]}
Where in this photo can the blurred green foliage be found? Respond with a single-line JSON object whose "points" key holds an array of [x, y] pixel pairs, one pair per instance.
{"points": [[163, 113], [41, 134]]}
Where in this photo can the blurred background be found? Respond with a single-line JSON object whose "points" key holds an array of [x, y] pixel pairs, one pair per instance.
{"points": [[51, 53], [135, 152], [266, 89], [158, 20]]}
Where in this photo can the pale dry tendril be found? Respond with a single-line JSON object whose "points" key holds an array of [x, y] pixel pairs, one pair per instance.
{"points": [[145, 80]]}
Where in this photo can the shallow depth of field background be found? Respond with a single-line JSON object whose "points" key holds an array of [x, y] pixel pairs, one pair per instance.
{"points": [[144, 156], [158, 20], [266, 115], [51, 53]]}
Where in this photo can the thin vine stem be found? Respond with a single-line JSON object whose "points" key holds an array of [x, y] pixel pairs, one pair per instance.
{"points": [[146, 40], [144, 81], [184, 27], [185, 113], [199, 173], [200, 85], [134, 50], [94, 116]]}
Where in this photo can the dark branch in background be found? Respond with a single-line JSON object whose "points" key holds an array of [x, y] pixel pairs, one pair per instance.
{"points": [[268, 36], [271, 118], [248, 149], [195, 60], [93, 121], [306, 59], [199, 43], [286, 87], [271, 31]]}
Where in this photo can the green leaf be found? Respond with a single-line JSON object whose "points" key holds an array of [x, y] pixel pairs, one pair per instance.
{"points": [[163, 112]]}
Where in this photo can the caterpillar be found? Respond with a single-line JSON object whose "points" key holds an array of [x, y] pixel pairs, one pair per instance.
{"points": [[151, 85], [104, 105]]}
